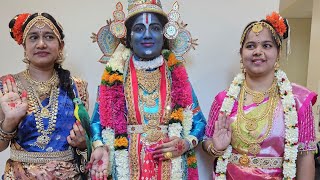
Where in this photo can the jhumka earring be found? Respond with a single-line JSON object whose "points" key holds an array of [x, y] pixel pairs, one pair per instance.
{"points": [[26, 59], [243, 70], [60, 58]]}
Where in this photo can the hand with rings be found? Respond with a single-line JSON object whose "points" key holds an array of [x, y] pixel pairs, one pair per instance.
{"points": [[13, 106], [221, 137], [99, 163], [77, 137], [171, 148]]}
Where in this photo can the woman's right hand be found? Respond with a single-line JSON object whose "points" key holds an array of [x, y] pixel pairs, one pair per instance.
{"points": [[13, 106], [221, 137], [99, 162]]}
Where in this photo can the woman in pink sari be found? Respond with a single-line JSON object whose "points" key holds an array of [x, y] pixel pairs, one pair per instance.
{"points": [[262, 127]]}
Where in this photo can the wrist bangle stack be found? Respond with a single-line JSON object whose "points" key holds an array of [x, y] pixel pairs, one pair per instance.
{"points": [[6, 136], [213, 151]]}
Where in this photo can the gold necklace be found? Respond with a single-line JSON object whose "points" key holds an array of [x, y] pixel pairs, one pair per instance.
{"points": [[254, 145], [149, 81], [258, 97], [43, 88], [251, 122], [148, 99], [41, 112]]}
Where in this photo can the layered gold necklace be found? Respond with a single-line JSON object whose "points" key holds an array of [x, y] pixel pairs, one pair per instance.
{"points": [[251, 123], [36, 90], [43, 88]]}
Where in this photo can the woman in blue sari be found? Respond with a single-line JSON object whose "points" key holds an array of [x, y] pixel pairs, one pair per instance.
{"points": [[37, 117]]}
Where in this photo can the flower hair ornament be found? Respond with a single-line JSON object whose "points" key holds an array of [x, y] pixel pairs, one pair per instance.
{"points": [[114, 33], [16, 31]]}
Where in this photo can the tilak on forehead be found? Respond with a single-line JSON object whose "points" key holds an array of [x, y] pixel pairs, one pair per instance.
{"points": [[146, 18]]}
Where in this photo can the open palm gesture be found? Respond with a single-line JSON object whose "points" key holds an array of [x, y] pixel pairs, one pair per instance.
{"points": [[222, 132], [12, 104]]}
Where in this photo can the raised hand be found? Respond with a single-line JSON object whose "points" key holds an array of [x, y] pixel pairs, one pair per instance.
{"points": [[13, 105], [172, 147], [99, 162], [221, 137]]}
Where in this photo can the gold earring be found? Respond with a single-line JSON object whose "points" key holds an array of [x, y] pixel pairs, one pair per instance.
{"points": [[243, 70], [60, 58], [26, 59], [277, 65]]}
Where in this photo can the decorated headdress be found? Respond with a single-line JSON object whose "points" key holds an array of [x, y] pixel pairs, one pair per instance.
{"points": [[110, 36], [21, 25], [278, 26]]}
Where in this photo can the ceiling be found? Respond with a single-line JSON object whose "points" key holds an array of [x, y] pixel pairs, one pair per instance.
{"points": [[296, 8]]}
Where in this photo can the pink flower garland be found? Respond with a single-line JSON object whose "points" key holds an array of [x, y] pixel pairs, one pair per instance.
{"points": [[181, 89], [112, 104]]}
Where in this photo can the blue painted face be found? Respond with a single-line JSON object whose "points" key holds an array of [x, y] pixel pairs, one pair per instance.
{"points": [[147, 36]]}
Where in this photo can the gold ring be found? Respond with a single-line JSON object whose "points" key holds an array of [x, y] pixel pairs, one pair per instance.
{"points": [[168, 155]]}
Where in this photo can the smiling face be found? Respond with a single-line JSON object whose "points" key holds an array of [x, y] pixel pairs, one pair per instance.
{"points": [[42, 46], [146, 36], [259, 53]]}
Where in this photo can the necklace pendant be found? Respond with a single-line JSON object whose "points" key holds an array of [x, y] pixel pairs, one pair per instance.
{"points": [[45, 113], [258, 98], [43, 141], [254, 149], [251, 125]]}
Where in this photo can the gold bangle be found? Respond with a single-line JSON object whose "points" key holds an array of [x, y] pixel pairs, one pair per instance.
{"points": [[6, 136], [97, 144]]}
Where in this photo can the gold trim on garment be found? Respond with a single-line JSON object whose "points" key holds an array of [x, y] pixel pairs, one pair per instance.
{"points": [[41, 157]]}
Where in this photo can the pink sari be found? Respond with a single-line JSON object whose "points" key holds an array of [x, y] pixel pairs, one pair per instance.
{"points": [[273, 145]]}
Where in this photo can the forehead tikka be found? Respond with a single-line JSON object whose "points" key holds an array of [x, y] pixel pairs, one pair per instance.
{"points": [[40, 22]]}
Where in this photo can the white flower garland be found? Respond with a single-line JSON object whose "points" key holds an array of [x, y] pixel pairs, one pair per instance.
{"points": [[108, 139], [122, 164], [291, 121], [187, 121], [175, 129]]}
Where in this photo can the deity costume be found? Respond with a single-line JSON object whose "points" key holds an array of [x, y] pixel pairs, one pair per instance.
{"points": [[141, 104]]}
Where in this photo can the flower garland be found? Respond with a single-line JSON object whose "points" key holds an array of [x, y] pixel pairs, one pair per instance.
{"points": [[180, 122], [291, 124], [112, 109]]}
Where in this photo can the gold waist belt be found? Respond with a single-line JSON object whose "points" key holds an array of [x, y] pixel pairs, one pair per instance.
{"points": [[41, 157], [256, 162], [139, 129], [153, 132]]}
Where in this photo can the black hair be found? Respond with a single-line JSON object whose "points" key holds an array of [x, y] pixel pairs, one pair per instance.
{"points": [[129, 23]]}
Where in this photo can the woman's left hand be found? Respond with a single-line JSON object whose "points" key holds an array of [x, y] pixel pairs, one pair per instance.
{"points": [[77, 137], [171, 148]]}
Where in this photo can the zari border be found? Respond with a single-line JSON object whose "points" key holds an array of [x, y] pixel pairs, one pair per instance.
{"points": [[132, 120], [134, 157]]}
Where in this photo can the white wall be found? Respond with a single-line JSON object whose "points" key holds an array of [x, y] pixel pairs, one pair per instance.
{"points": [[217, 24]]}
